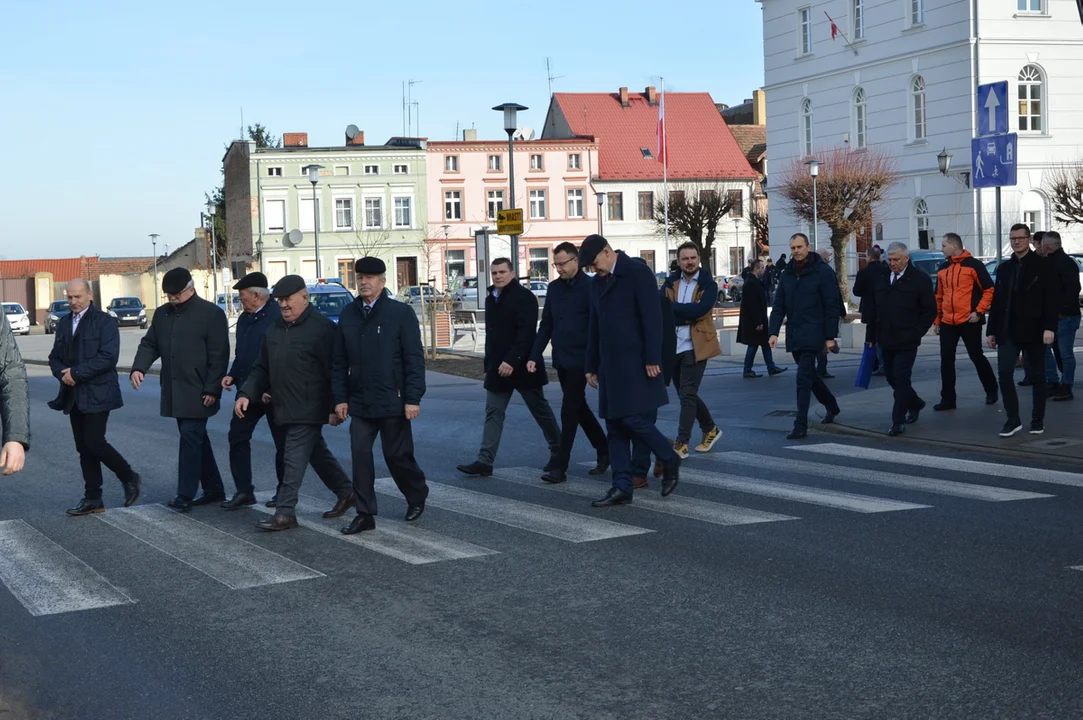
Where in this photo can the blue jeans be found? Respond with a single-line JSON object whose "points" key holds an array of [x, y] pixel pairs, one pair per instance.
{"points": [[622, 432], [750, 356], [1065, 340]]}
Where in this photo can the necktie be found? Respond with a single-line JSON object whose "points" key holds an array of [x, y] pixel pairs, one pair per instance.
{"points": [[894, 277], [365, 310]]}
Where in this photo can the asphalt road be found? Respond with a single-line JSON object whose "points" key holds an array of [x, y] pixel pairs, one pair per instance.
{"points": [[803, 585]]}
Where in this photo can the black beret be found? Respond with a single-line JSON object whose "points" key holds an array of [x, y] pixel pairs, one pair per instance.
{"points": [[175, 281], [288, 286], [590, 248], [252, 280], [370, 266]]}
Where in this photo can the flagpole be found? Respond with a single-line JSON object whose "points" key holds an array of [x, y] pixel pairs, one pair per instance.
{"points": [[665, 171]]}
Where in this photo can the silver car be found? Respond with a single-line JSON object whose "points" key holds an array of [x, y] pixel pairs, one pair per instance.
{"points": [[17, 318]]}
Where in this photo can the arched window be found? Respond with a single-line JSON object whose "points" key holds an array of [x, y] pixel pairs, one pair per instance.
{"points": [[917, 107], [921, 223], [861, 120], [1031, 86], [806, 127]]}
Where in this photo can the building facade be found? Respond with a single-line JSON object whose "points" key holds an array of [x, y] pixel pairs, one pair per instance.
{"points": [[903, 82]]}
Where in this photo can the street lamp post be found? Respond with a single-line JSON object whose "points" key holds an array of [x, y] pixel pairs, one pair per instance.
{"points": [[737, 238], [314, 177], [509, 110], [943, 161], [211, 210], [601, 203], [447, 261], [154, 249], [259, 251], [814, 171]]}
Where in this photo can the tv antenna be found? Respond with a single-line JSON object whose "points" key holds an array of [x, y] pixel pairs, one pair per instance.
{"points": [[410, 104], [552, 77]]}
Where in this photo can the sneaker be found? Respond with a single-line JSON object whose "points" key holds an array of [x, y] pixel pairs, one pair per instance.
{"points": [[681, 448], [1011, 428], [709, 439], [1037, 427]]}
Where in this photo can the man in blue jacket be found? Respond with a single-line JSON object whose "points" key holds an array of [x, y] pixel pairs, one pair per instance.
{"points": [[565, 318], [84, 359], [807, 298]]}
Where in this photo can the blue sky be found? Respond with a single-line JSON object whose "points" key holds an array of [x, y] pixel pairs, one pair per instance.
{"points": [[116, 114]]}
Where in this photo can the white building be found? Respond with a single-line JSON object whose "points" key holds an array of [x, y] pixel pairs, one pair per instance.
{"points": [[909, 91]]}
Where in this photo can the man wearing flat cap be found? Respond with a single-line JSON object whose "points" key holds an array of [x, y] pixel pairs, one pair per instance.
{"points": [[378, 378], [191, 337], [294, 363]]}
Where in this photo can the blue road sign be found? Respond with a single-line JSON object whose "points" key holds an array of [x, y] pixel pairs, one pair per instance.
{"points": [[993, 109], [994, 160]]}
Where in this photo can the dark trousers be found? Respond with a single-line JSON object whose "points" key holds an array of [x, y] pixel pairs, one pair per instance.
{"points": [[821, 363], [971, 335], [94, 451], [687, 375], [397, 441], [750, 356], [641, 452], [240, 446], [496, 407], [622, 432], [575, 412], [809, 383], [304, 444], [899, 367], [1033, 358], [196, 465]]}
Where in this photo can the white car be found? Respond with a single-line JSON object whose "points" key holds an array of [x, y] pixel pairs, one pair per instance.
{"points": [[17, 318]]}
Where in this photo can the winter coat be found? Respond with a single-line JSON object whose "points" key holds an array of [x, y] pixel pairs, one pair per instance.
{"points": [[1067, 271], [92, 357], [863, 284], [963, 286], [698, 314], [1025, 300], [14, 391], [902, 312], [379, 364], [565, 317], [753, 313], [511, 324], [625, 336], [192, 340], [809, 305], [251, 328]]}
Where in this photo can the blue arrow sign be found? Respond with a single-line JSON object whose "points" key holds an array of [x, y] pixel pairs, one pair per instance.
{"points": [[993, 109], [994, 161]]}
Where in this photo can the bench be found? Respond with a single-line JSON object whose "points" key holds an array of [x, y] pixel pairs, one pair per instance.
{"points": [[466, 322]]}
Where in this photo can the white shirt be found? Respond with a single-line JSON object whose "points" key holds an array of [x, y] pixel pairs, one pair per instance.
{"points": [[896, 276], [76, 317], [686, 289]]}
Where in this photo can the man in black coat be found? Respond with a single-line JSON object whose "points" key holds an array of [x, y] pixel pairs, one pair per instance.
{"points": [[807, 299], [863, 285], [565, 318], [902, 310], [1067, 272], [84, 357], [752, 325], [511, 324], [295, 363], [1023, 318], [378, 379], [191, 336]]}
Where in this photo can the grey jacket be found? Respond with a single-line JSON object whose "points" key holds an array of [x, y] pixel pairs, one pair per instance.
{"points": [[14, 392]]}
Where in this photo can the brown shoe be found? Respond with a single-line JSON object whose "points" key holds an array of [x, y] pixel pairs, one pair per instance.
{"points": [[340, 507], [278, 521], [658, 468], [639, 483]]}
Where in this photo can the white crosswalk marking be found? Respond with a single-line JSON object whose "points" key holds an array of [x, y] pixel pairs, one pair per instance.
{"points": [[46, 578], [702, 510], [798, 493], [236, 563], [876, 477], [1055, 477], [540, 519], [400, 540]]}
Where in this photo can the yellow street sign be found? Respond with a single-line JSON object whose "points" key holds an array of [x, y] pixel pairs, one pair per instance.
{"points": [[509, 222]]}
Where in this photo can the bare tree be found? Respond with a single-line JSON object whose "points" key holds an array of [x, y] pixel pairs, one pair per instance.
{"points": [[1064, 183], [695, 210], [849, 186], [757, 218]]}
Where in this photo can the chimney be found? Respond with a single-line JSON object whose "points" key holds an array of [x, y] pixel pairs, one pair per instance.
{"points": [[358, 139], [652, 95], [295, 139], [470, 134], [624, 97], [759, 107]]}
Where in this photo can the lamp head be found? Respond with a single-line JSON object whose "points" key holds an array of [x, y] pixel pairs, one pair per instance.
{"points": [[212, 209], [943, 161], [813, 167], [313, 173], [601, 198], [509, 110]]}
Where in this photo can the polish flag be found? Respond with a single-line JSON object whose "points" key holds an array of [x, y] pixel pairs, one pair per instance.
{"points": [[662, 128], [834, 27]]}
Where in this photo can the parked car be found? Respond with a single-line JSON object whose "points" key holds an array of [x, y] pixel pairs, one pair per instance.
{"points": [[411, 294], [538, 287], [57, 310], [468, 293], [329, 299], [222, 297], [128, 311], [928, 261], [17, 318], [730, 287]]}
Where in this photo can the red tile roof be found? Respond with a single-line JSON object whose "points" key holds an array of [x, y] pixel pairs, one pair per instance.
{"points": [[63, 269], [701, 146], [119, 266]]}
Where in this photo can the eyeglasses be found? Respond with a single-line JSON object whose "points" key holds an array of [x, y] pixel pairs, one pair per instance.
{"points": [[562, 264]]}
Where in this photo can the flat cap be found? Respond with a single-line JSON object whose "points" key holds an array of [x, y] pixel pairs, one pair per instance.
{"points": [[251, 280], [370, 266], [288, 285], [590, 248], [176, 280]]}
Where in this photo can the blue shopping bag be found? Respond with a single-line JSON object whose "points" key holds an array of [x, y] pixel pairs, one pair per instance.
{"points": [[864, 370]]}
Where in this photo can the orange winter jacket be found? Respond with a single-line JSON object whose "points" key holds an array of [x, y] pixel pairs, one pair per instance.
{"points": [[963, 286]]}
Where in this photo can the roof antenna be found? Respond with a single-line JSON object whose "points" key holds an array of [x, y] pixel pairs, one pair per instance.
{"points": [[549, 72], [242, 123]]}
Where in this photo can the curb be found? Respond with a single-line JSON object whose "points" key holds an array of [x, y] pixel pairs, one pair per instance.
{"points": [[126, 370]]}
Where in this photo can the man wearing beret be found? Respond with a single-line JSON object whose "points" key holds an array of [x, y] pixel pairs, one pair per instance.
{"points": [[191, 336], [295, 360], [378, 378]]}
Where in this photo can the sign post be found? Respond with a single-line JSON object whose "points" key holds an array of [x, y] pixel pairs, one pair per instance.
{"points": [[994, 154], [481, 248]]}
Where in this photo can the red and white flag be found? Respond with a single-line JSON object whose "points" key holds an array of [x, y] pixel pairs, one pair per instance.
{"points": [[834, 27], [662, 127]]}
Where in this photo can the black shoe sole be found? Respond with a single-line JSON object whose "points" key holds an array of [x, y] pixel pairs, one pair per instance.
{"points": [[81, 513], [471, 473], [667, 491]]}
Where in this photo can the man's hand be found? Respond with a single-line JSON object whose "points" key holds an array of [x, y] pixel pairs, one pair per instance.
{"points": [[830, 346], [974, 317], [66, 378], [334, 420], [208, 400], [936, 329], [412, 411], [343, 411], [266, 398], [12, 457], [227, 383], [992, 342], [240, 406], [505, 370], [531, 366], [772, 341], [1048, 336], [592, 380], [654, 371], [136, 379]]}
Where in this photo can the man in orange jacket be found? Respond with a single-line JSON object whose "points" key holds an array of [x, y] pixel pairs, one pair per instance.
{"points": [[964, 293]]}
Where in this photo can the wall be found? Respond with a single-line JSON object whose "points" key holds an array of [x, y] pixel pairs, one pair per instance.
{"points": [[238, 196]]}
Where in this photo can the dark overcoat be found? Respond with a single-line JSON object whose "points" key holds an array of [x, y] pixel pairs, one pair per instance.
{"points": [[1025, 300], [901, 312], [511, 324], [564, 321], [809, 304], [624, 337], [753, 313], [192, 340], [92, 356]]}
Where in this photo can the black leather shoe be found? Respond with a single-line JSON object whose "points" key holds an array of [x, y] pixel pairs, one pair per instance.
{"points": [[830, 415], [1064, 395], [776, 370], [896, 430], [1025, 382], [613, 497], [942, 406], [239, 500], [132, 490], [601, 468], [273, 502], [553, 464], [991, 399], [827, 376], [878, 373], [912, 415], [474, 468], [1051, 390], [671, 477], [412, 513], [340, 508], [86, 507], [278, 521], [555, 476], [360, 524], [180, 504], [797, 435], [209, 498], [751, 375]]}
